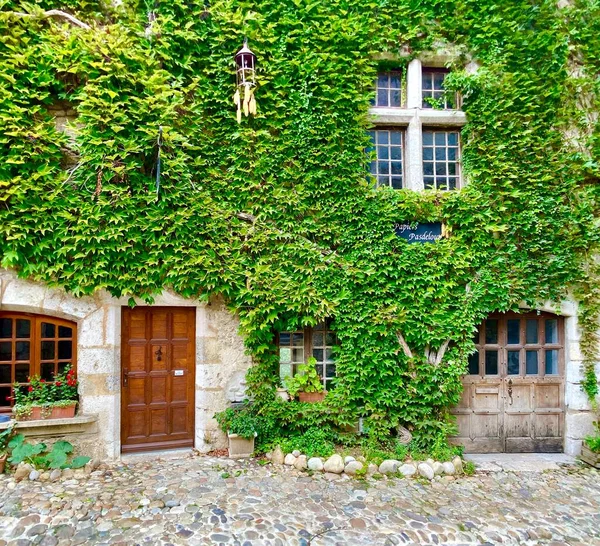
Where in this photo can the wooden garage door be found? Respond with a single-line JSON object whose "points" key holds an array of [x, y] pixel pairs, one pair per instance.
{"points": [[513, 397], [158, 357]]}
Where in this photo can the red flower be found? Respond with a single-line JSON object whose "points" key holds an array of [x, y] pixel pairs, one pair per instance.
{"points": [[42, 381], [30, 389], [8, 398], [58, 383]]}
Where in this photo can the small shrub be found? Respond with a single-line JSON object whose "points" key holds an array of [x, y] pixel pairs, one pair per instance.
{"points": [[593, 440], [39, 457], [315, 442], [238, 421]]}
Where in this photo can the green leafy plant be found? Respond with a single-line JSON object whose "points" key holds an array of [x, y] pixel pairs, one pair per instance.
{"points": [[306, 379], [593, 440], [314, 442], [38, 455], [5, 436], [238, 421]]}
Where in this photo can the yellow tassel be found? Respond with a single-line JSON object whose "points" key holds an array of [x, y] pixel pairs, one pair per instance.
{"points": [[239, 115], [236, 98], [252, 105], [246, 93]]}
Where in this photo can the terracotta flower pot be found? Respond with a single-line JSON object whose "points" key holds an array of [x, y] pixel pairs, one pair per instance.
{"points": [[33, 415], [3, 462], [311, 397], [63, 413]]}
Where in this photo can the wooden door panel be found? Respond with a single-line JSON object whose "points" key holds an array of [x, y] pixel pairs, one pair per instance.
{"points": [[158, 383]]}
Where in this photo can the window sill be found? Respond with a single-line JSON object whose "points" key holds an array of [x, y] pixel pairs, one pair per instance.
{"points": [[403, 116], [71, 422]]}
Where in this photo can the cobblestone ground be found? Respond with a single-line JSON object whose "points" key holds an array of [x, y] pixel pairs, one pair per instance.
{"points": [[203, 500]]}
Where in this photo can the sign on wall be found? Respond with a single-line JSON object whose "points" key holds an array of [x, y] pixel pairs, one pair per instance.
{"points": [[418, 232]]}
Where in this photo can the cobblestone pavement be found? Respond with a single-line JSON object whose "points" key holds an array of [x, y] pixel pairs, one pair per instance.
{"points": [[204, 500]]}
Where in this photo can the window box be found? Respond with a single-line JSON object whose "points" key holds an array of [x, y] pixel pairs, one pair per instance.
{"points": [[35, 413], [311, 397]]}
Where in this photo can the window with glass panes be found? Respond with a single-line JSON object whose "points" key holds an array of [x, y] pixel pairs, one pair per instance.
{"points": [[33, 345], [295, 347], [433, 92], [388, 90], [519, 345], [387, 168], [441, 150]]}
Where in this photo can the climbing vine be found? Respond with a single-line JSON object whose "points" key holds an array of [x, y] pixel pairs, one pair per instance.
{"points": [[277, 214]]}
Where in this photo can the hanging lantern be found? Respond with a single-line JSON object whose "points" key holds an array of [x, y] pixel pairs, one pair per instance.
{"points": [[245, 62]]}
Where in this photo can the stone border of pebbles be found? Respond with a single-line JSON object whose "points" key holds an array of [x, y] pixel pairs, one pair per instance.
{"points": [[336, 464]]}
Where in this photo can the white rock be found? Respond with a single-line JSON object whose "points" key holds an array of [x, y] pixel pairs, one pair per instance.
{"points": [[352, 467], [430, 462], [426, 471], [372, 469], [277, 457], [449, 468], [289, 459], [458, 464], [22, 471], [34, 475], [334, 465], [296, 453], [389, 466], [408, 470], [438, 469], [55, 474], [315, 463], [300, 463], [349, 459], [269, 455]]}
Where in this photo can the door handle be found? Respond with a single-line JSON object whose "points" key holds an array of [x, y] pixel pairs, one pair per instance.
{"points": [[125, 377], [510, 391]]}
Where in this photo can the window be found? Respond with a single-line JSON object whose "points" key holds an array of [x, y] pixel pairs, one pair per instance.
{"points": [[387, 167], [432, 90], [416, 133], [33, 345], [296, 347], [440, 159], [388, 90]]}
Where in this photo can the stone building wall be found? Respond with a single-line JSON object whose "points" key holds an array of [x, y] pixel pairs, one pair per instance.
{"points": [[221, 362]]}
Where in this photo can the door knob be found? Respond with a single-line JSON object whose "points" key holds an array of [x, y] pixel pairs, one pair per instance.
{"points": [[125, 377], [510, 391], [158, 354]]}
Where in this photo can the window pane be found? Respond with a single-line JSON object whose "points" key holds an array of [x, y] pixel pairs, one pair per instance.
{"points": [[491, 331], [284, 338], [317, 339], [47, 350], [491, 362], [551, 331], [62, 366], [396, 183], [48, 330], [330, 338], [319, 368], [328, 355], [513, 362], [440, 138], [552, 362], [396, 138], [474, 363], [285, 370], [382, 97], [285, 354], [318, 354], [330, 370], [5, 399], [5, 329], [63, 331], [23, 328], [47, 371], [427, 138], [512, 327], [22, 350], [531, 362], [298, 339], [22, 373], [453, 139], [297, 355], [5, 374], [5, 350], [531, 331]]}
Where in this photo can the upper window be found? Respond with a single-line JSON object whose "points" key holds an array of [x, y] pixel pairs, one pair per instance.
{"points": [[33, 345], [296, 347], [388, 89], [387, 166], [440, 159], [433, 93]]}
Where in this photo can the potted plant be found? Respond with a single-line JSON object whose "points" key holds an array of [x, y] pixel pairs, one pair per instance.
{"points": [[241, 428], [590, 451], [306, 384], [5, 436], [46, 400]]}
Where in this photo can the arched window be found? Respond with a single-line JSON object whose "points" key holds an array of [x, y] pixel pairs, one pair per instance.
{"points": [[33, 345]]}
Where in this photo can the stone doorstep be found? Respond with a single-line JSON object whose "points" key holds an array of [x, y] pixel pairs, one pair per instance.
{"points": [[70, 421], [160, 454], [519, 462]]}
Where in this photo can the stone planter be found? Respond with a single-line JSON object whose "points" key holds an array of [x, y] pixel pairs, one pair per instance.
{"points": [[311, 397], [3, 462], [588, 456], [283, 394], [240, 448]]}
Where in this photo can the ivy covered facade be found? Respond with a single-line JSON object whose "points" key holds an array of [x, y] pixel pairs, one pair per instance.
{"points": [[199, 259]]}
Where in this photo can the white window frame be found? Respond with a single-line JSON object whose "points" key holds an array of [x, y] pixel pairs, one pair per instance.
{"points": [[413, 119]]}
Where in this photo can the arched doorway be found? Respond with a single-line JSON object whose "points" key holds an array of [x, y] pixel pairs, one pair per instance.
{"points": [[513, 397]]}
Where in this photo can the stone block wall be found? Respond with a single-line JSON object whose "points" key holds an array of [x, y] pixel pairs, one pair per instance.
{"points": [[221, 362]]}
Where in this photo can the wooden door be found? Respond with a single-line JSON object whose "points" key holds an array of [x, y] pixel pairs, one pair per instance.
{"points": [[513, 397], [158, 371]]}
